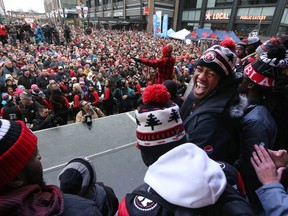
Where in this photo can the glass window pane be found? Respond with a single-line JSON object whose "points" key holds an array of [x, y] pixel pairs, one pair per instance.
{"points": [[284, 17], [191, 15], [268, 11], [185, 15], [197, 15], [199, 4], [211, 4], [242, 11], [255, 11]]}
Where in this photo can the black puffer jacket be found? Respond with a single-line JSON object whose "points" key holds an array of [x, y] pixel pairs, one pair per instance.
{"points": [[78, 206]]}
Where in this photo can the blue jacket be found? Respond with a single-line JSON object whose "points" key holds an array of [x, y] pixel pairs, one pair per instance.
{"points": [[274, 199], [256, 126]]}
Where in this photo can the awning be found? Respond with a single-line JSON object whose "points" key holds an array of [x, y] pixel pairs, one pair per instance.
{"points": [[180, 34], [223, 35], [203, 33], [192, 36], [199, 34]]}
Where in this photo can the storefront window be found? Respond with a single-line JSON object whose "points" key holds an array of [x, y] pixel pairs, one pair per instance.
{"points": [[211, 4], [191, 15], [282, 30], [254, 2], [219, 26], [268, 11], [284, 19], [260, 11], [244, 29], [188, 4], [220, 3], [185, 15]]}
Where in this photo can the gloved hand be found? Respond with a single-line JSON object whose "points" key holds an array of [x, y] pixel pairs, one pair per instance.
{"points": [[136, 59]]}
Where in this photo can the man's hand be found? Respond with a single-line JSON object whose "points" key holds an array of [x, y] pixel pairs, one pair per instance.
{"points": [[279, 157], [265, 167]]}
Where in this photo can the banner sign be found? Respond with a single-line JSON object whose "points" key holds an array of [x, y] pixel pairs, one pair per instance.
{"points": [[158, 22], [165, 25]]}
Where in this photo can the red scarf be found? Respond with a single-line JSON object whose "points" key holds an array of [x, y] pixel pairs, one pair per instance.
{"points": [[32, 200]]}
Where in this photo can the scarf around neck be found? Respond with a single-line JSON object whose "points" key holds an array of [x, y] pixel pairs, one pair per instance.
{"points": [[32, 200]]}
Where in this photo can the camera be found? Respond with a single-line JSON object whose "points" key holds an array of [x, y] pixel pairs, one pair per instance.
{"points": [[54, 119], [88, 120]]}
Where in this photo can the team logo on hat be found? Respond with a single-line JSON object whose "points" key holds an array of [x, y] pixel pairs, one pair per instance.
{"points": [[144, 204], [209, 56]]}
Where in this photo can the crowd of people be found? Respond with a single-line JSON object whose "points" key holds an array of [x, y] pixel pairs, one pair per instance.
{"points": [[222, 148], [102, 68]]}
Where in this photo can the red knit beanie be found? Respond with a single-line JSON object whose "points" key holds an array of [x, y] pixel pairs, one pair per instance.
{"points": [[167, 50], [17, 145]]}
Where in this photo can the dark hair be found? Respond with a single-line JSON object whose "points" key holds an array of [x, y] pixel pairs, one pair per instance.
{"points": [[57, 98]]}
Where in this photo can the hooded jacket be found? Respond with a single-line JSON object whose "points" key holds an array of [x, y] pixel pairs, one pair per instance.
{"points": [[184, 176], [213, 124]]}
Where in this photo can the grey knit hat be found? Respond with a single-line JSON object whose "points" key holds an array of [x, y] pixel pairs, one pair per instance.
{"points": [[77, 176]]}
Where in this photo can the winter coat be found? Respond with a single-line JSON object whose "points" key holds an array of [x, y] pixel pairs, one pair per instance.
{"points": [[256, 126], [165, 67], [95, 112], [213, 124], [42, 82], [124, 105], [274, 199], [173, 187], [3, 31], [78, 206], [26, 81]]}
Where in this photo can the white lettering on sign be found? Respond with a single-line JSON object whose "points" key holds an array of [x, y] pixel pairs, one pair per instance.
{"points": [[216, 16], [253, 17]]}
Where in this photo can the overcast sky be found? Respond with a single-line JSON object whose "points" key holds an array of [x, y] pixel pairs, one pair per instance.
{"points": [[25, 5]]}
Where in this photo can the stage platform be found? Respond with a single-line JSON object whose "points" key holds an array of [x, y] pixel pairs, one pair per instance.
{"points": [[110, 144]]}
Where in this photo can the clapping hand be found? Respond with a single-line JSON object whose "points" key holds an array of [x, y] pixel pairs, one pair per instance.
{"points": [[264, 166]]}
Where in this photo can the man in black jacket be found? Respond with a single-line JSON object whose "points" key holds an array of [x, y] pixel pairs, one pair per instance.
{"points": [[210, 111], [28, 108], [181, 179], [26, 79], [43, 120]]}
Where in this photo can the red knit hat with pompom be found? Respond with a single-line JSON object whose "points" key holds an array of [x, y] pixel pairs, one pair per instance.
{"points": [[159, 126]]}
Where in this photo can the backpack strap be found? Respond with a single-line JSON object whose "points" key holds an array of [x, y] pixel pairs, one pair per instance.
{"points": [[112, 200]]}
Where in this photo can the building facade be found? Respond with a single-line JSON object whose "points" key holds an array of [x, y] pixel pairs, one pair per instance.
{"points": [[130, 13], [270, 17]]}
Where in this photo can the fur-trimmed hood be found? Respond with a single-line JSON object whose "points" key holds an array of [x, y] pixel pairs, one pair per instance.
{"points": [[238, 110]]}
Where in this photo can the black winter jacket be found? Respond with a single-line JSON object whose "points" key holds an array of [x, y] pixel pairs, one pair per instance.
{"points": [[210, 125]]}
